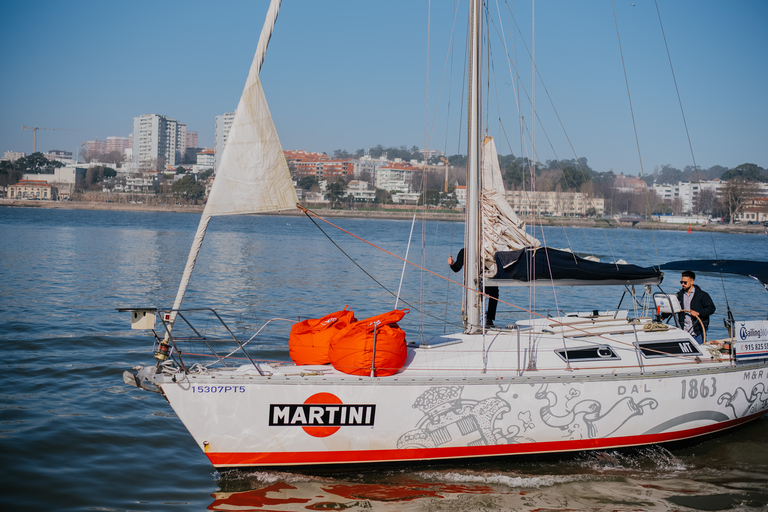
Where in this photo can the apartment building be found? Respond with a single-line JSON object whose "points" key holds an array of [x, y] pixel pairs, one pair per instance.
{"points": [[305, 163], [158, 141], [554, 204], [396, 176], [223, 125]]}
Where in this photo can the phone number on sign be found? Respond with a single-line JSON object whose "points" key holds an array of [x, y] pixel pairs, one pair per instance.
{"points": [[752, 347], [218, 389]]}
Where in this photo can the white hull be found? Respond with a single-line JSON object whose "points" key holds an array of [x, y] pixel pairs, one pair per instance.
{"points": [[240, 418]]}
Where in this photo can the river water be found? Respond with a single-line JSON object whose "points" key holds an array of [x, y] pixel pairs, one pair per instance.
{"points": [[74, 437]]}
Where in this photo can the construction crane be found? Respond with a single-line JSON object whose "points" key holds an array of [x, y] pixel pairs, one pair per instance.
{"points": [[35, 128], [447, 165]]}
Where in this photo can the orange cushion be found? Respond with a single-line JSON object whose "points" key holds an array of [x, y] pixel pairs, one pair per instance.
{"points": [[310, 339], [352, 350]]}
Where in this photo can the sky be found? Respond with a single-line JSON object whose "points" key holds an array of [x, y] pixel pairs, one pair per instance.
{"points": [[352, 75]]}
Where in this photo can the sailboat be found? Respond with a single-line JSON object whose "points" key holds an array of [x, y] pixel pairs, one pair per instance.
{"points": [[582, 381]]}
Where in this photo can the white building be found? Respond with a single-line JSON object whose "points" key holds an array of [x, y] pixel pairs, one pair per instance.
{"points": [[63, 178], [64, 157], [206, 158], [360, 191], [395, 177], [32, 189], [688, 192], [461, 195], [685, 191], [223, 125], [556, 204], [137, 184], [12, 156], [158, 141]]}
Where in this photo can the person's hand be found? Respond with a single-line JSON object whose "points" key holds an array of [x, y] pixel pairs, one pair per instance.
{"points": [[450, 259], [694, 314]]}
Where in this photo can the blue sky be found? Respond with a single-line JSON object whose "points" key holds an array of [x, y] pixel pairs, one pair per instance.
{"points": [[353, 74]]}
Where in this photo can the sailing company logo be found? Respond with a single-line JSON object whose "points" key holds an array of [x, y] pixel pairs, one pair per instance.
{"points": [[321, 415], [753, 331]]}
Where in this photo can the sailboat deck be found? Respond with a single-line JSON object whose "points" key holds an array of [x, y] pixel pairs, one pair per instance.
{"points": [[562, 348]]}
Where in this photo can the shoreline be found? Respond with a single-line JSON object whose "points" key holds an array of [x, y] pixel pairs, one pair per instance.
{"points": [[382, 214]]}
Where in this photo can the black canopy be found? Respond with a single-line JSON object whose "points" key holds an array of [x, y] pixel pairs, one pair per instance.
{"points": [[755, 269], [553, 266]]}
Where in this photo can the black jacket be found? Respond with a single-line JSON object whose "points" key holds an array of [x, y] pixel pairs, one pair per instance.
{"points": [[702, 304], [458, 264]]}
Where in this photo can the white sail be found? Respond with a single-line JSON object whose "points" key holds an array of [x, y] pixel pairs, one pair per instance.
{"points": [[253, 175], [503, 230]]}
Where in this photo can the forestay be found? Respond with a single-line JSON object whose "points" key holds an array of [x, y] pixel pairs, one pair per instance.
{"points": [[253, 175]]}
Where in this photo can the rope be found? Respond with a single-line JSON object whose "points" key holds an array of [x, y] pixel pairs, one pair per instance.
{"points": [[310, 214]]}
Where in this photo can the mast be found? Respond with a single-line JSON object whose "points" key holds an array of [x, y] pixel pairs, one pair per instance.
{"points": [[472, 259]]}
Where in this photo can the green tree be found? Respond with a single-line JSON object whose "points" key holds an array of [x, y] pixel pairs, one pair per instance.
{"points": [[180, 170], [514, 175], [335, 192], [308, 182], [341, 154], [9, 173], [382, 196], [433, 197], [573, 177], [745, 172], [36, 163], [188, 189]]}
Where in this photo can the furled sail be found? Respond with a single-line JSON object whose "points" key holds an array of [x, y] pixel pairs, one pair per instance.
{"points": [[503, 230], [547, 266]]}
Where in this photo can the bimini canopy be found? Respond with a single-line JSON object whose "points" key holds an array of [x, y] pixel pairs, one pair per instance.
{"points": [[546, 266], [754, 269]]}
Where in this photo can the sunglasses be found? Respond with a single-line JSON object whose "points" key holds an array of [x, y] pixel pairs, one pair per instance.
{"points": [[684, 282]]}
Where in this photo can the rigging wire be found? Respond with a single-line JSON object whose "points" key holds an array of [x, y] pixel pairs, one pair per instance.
{"points": [[688, 135], [634, 124], [307, 213], [530, 312]]}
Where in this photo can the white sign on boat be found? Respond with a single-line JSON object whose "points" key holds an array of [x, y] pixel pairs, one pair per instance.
{"points": [[751, 339]]}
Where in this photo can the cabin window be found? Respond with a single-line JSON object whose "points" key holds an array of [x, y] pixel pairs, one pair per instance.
{"points": [[592, 353], [651, 349]]}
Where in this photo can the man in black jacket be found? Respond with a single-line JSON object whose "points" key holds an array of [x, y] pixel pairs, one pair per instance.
{"points": [[492, 291], [698, 304]]}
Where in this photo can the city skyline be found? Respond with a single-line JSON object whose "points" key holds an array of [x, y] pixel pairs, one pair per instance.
{"points": [[352, 75]]}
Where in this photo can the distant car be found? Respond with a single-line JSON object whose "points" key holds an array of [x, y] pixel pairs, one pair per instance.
{"points": [[765, 223]]}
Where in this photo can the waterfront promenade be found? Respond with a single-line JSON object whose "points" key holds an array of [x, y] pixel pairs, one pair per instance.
{"points": [[385, 213]]}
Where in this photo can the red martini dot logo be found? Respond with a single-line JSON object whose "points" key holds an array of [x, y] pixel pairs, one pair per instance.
{"points": [[325, 399]]}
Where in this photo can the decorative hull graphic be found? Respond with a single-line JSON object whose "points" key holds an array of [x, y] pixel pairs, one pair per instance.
{"points": [[261, 422]]}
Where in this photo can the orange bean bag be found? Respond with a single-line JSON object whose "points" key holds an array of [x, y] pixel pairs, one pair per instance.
{"points": [[310, 339], [352, 349]]}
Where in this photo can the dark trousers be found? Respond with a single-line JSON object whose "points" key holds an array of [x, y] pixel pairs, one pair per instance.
{"points": [[493, 292]]}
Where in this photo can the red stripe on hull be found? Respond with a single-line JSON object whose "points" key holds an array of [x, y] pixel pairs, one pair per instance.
{"points": [[241, 459]]}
